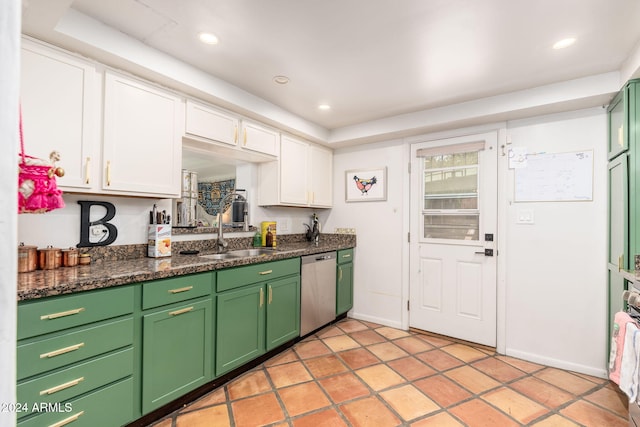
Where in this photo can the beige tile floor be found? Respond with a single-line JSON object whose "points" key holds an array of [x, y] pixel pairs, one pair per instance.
{"points": [[357, 373]]}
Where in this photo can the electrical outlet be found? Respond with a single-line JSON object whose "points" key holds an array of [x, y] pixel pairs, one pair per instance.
{"points": [[97, 230], [345, 231]]}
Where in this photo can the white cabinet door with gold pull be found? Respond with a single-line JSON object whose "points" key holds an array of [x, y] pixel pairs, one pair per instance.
{"points": [[59, 98], [258, 138], [143, 127]]}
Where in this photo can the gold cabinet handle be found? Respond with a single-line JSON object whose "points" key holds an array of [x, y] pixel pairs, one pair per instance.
{"points": [[235, 134], [62, 351], [108, 173], [620, 262], [245, 138], [87, 171], [270, 294], [66, 421], [177, 291], [62, 386], [181, 311], [62, 314], [261, 297], [263, 273], [339, 273], [346, 256]]}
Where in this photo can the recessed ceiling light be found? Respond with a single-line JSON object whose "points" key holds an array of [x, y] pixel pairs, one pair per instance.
{"points": [[561, 44], [324, 107], [208, 38], [281, 80]]}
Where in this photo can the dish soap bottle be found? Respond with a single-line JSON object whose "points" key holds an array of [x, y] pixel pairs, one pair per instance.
{"points": [[257, 239]]}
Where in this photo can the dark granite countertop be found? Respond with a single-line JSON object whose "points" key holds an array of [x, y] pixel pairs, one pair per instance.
{"points": [[108, 273]]}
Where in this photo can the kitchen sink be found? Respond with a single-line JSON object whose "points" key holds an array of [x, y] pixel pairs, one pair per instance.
{"points": [[220, 256], [251, 252]]}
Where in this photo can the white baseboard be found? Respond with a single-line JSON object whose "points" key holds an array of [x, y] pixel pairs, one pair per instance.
{"points": [[373, 319], [599, 372]]}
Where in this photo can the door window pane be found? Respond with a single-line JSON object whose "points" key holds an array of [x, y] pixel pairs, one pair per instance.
{"points": [[450, 208]]}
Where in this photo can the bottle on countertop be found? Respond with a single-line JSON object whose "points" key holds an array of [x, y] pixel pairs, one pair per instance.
{"points": [[269, 239], [257, 239]]}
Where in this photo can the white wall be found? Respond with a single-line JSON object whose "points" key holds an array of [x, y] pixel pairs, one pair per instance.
{"points": [[556, 296], [554, 277], [378, 256], [9, 78]]}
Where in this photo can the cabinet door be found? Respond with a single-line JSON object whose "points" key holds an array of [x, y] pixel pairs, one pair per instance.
{"points": [[239, 327], [344, 291], [618, 213], [260, 139], [618, 125], [210, 123], [320, 176], [283, 311], [293, 172], [143, 127], [176, 352], [59, 97]]}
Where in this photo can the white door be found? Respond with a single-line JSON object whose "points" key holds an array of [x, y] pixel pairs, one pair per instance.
{"points": [[453, 237]]}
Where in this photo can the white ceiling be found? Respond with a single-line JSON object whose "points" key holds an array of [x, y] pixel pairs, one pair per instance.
{"points": [[371, 59]]}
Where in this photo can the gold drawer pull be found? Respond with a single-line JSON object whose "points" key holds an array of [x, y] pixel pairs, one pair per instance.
{"points": [[62, 386], [346, 256], [270, 294], [262, 273], [261, 297], [339, 274], [181, 311], [66, 421], [620, 262], [62, 314], [62, 351], [177, 291]]}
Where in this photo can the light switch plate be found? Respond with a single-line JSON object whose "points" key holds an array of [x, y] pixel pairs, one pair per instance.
{"points": [[525, 216]]}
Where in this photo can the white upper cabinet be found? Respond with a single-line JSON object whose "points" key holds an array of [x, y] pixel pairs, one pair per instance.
{"points": [[210, 123], [302, 176], [143, 127], [258, 138], [60, 109]]}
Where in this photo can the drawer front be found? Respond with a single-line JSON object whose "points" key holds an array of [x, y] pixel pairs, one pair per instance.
{"points": [[44, 355], [345, 255], [76, 380], [236, 277], [107, 407], [176, 289], [58, 313]]}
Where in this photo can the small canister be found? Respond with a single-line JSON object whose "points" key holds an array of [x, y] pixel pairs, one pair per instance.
{"points": [[84, 259], [49, 258], [27, 258], [70, 257]]}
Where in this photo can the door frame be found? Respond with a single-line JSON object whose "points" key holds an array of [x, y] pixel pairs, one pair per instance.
{"points": [[504, 201]]}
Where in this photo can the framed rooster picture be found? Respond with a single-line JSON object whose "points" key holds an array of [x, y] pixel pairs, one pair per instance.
{"points": [[366, 185]]}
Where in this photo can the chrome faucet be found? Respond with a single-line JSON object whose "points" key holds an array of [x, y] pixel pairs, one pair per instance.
{"points": [[222, 244]]}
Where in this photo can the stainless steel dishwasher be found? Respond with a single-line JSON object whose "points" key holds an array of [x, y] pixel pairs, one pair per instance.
{"points": [[318, 291]]}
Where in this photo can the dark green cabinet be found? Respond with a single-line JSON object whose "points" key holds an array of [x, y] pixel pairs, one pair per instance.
{"points": [[623, 187], [344, 281], [176, 351], [283, 311], [239, 327], [257, 310]]}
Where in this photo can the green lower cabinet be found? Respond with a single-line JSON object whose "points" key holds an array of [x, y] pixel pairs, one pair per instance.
{"points": [[176, 351], [283, 311], [107, 407], [239, 327], [344, 290]]}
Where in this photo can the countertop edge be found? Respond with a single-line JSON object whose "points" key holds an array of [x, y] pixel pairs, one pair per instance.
{"points": [[70, 280]]}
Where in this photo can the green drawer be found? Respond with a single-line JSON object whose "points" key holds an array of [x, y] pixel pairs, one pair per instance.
{"points": [[240, 276], [76, 380], [176, 289], [108, 407], [345, 255], [58, 313], [46, 354]]}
